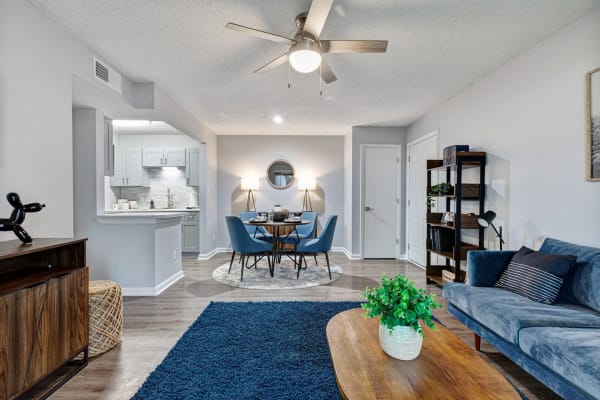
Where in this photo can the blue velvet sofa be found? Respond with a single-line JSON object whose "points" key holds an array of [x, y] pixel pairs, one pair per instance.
{"points": [[559, 344]]}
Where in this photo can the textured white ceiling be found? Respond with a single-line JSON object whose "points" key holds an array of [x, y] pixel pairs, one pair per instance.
{"points": [[436, 48]]}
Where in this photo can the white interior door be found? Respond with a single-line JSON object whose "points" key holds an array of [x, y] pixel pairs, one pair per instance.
{"points": [[418, 154], [380, 204]]}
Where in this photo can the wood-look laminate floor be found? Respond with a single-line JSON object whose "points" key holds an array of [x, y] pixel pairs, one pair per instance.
{"points": [[152, 325]]}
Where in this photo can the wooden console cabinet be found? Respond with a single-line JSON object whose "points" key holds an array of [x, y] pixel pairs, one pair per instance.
{"points": [[43, 316]]}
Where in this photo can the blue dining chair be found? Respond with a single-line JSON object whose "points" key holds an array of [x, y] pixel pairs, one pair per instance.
{"points": [[322, 244], [257, 232], [302, 232], [243, 243]]}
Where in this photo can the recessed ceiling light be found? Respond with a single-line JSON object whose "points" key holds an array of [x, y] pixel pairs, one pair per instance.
{"points": [[131, 123], [278, 119]]}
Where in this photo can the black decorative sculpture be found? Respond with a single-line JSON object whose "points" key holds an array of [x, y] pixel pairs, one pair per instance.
{"points": [[18, 216]]}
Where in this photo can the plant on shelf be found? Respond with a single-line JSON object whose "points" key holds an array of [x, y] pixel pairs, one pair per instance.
{"points": [[401, 306], [442, 189]]}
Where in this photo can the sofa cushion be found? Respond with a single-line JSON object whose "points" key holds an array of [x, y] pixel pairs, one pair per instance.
{"points": [[571, 352], [582, 285], [506, 313], [537, 276]]}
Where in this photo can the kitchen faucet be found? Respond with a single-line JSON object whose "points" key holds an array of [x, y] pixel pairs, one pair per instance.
{"points": [[169, 198]]}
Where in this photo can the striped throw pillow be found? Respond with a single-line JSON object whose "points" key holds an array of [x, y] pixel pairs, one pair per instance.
{"points": [[537, 276]]}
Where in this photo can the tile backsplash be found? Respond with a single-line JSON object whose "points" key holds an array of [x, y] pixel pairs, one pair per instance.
{"points": [[161, 180]]}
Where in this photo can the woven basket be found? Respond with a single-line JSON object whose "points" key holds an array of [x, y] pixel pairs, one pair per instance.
{"points": [[106, 316]]}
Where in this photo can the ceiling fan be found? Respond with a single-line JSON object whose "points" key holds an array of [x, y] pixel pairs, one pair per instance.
{"points": [[306, 48]]}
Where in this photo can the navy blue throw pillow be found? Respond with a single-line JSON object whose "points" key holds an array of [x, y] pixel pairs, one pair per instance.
{"points": [[537, 276]]}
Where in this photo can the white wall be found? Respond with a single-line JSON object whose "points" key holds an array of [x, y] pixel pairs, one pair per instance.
{"points": [[41, 66], [372, 135], [529, 115], [321, 157]]}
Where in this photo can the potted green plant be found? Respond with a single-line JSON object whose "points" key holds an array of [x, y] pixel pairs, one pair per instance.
{"points": [[401, 307]]}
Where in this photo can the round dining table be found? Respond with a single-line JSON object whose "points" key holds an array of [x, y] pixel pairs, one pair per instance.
{"points": [[277, 229]]}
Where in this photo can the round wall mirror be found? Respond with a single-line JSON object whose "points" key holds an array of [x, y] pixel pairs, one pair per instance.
{"points": [[280, 174]]}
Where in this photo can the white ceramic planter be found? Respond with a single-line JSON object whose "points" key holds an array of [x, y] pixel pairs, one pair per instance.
{"points": [[404, 343]]}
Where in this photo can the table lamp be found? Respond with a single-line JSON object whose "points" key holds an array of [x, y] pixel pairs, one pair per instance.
{"points": [[250, 184], [307, 184], [486, 219]]}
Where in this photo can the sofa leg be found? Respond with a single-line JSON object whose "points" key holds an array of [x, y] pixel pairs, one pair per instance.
{"points": [[477, 342]]}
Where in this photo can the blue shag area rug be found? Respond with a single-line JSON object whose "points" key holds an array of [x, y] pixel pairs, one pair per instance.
{"points": [[263, 350]]}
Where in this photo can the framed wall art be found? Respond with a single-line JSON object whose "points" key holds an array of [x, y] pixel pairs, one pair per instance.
{"points": [[593, 125]]}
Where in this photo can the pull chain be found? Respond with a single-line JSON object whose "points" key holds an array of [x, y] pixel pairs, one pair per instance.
{"points": [[289, 75]]}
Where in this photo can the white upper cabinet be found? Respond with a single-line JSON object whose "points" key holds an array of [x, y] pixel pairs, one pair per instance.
{"points": [[128, 169], [192, 166], [164, 157], [152, 157]]}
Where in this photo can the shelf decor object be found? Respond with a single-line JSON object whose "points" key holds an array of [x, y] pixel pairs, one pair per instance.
{"points": [[250, 184], [307, 184], [444, 235], [18, 216], [486, 219], [450, 153], [593, 125]]}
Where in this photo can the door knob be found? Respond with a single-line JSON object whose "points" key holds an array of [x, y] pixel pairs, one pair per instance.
{"points": [[367, 208]]}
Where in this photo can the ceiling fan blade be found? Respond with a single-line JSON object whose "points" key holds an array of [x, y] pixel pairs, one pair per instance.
{"points": [[354, 46], [275, 63], [317, 15], [326, 73], [258, 33]]}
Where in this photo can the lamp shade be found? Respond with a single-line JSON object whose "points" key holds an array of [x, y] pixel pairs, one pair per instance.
{"points": [[249, 184], [305, 57], [486, 219], [307, 184]]}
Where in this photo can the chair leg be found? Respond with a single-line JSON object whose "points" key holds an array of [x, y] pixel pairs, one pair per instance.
{"points": [[269, 263], [242, 273], [231, 262], [299, 266], [315, 256], [328, 268], [255, 262]]}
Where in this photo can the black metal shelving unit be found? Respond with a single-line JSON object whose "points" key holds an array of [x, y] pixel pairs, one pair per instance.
{"points": [[463, 192]]}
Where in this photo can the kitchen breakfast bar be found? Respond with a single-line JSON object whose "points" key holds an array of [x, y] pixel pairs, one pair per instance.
{"points": [[146, 250]]}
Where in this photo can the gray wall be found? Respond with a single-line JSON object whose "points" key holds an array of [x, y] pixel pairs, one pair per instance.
{"points": [[529, 115], [321, 157], [41, 66], [373, 135]]}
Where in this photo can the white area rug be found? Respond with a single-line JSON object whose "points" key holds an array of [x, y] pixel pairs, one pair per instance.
{"points": [[284, 276]]}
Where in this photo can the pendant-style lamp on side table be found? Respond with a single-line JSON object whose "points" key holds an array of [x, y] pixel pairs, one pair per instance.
{"points": [[307, 184], [250, 184]]}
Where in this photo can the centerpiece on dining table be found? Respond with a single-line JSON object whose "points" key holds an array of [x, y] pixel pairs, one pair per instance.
{"points": [[279, 214]]}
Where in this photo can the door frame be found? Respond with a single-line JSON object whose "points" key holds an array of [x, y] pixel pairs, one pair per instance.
{"points": [[434, 133], [398, 148]]}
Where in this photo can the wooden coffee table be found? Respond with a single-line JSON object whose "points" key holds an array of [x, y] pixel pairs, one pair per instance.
{"points": [[446, 368]]}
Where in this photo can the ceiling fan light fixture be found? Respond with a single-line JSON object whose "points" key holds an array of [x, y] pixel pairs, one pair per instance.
{"points": [[305, 57]]}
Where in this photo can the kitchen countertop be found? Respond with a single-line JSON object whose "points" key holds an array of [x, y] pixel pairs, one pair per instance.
{"points": [[152, 211], [140, 217]]}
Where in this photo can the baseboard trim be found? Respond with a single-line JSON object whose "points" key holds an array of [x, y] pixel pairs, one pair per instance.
{"points": [[152, 291], [347, 253], [212, 253], [403, 257]]}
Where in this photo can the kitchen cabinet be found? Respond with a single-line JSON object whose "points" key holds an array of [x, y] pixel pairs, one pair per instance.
{"points": [[128, 170], [163, 157], [190, 233], [192, 166]]}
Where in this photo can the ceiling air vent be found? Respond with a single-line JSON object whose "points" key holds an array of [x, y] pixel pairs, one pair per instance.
{"points": [[107, 75]]}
